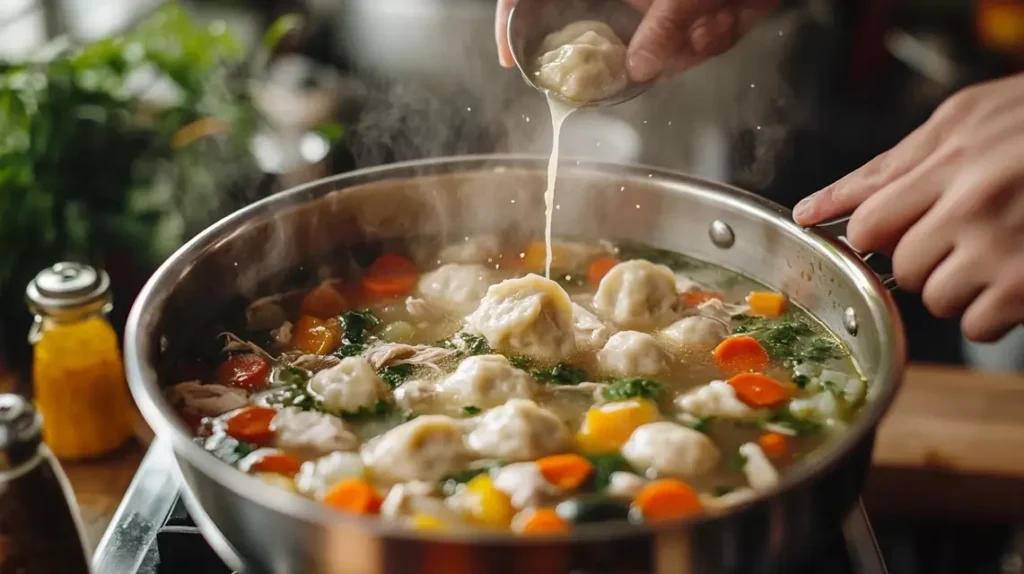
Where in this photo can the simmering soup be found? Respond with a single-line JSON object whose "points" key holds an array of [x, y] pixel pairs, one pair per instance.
{"points": [[471, 392]]}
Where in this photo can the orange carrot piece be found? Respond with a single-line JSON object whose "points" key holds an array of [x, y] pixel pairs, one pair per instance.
{"points": [[316, 336], [540, 522], [766, 304], [566, 471], [536, 255], [323, 302], [759, 391], [390, 275], [694, 298], [251, 424], [775, 445], [354, 495], [740, 353], [277, 462], [666, 499], [599, 268]]}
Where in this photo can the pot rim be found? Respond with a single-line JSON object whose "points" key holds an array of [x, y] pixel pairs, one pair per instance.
{"points": [[143, 380]]}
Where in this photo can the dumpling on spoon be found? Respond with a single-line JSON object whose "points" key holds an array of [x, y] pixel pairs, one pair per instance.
{"points": [[583, 62]]}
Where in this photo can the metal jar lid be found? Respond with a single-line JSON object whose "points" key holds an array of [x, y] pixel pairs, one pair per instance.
{"points": [[67, 285], [20, 434]]}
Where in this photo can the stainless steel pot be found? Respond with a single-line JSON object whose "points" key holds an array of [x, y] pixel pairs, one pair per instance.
{"points": [[251, 252]]}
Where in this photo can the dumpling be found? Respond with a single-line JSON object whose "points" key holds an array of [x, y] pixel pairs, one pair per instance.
{"points": [[311, 432], [584, 62], [669, 449], [638, 295], [488, 381], [316, 477], [630, 353], [429, 447], [761, 474], [695, 332], [529, 316], [591, 333], [625, 484], [350, 385], [716, 399], [415, 394], [196, 399], [518, 430], [457, 286], [478, 249]]}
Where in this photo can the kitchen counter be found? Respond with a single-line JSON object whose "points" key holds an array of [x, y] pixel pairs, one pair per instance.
{"points": [[949, 447]]}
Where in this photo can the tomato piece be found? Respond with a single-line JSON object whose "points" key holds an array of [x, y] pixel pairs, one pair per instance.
{"points": [[279, 463], [244, 371], [251, 424]]}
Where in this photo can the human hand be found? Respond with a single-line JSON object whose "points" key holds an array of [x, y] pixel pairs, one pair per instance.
{"points": [[674, 35], [948, 203]]}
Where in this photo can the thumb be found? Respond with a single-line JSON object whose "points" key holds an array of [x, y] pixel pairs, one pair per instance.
{"points": [[662, 35]]}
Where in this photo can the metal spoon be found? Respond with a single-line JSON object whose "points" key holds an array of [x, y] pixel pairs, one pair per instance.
{"points": [[532, 20]]}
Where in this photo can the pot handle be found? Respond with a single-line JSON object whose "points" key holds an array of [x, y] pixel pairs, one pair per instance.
{"points": [[878, 263]]}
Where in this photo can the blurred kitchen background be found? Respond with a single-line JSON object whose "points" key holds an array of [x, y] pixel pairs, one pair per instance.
{"points": [[129, 125]]}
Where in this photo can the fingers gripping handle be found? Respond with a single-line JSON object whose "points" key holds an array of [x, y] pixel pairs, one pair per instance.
{"points": [[878, 263]]}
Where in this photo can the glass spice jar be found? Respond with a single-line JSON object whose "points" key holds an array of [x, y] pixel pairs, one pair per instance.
{"points": [[78, 377], [40, 530]]}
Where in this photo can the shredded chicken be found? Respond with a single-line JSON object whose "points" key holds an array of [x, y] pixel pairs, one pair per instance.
{"points": [[267, 312], [390, 354], [283, 334], [195, 398], [422, 311], [312, 363], [716, 309], [233, 342]]}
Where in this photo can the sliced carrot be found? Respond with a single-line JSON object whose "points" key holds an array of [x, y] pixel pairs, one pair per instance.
{"points": [[277, 462], [244, 371], [316, 336], [694, 298], [666, 499], [540, 521], [354, 495], [251, 424], [766, 304], [323, 302], [566, 471], [759, 391], [775, 445], [740, 353], [390, 275], [599, 268]]}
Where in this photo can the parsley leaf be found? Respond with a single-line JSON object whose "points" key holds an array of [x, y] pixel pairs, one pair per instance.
{"points": [[521, 362], [786, 418], [378, 410], [560, 374], [357, 324], [293, 391], [226, 448], [470, 410], [738, 462], [790, 339], [632, 387], [467, 344], [395, 375], [606, 464]]}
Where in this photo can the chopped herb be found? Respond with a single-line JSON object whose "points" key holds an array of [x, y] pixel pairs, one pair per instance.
{"points": [[701, 425], [293, 391], [632, 387], [801, 380], [292, 376], [379, 409], [738, 462], [395, 374], [350, 350], [604, 466], [790, 340], [722, 490], [521, 362], [470, 411], [786, 418], [675, 261], [357, 323], [560, 374], [467, 344]]}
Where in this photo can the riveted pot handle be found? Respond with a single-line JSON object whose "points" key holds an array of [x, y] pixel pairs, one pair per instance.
{"points": [[878, 263]]}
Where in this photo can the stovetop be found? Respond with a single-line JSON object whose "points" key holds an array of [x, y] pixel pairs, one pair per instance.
{"points": [[153, 533]]}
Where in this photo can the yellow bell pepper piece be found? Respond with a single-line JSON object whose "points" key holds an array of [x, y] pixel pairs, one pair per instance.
{"points": [[278, 480], [422, 521], [489, 506], [607, 427]]}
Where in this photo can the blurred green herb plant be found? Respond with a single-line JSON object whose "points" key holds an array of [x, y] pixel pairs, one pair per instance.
{"points": [[126, 144]]}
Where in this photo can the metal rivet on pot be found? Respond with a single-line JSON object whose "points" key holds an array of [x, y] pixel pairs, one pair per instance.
{"points": [[850, 320], [721, 234]]}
